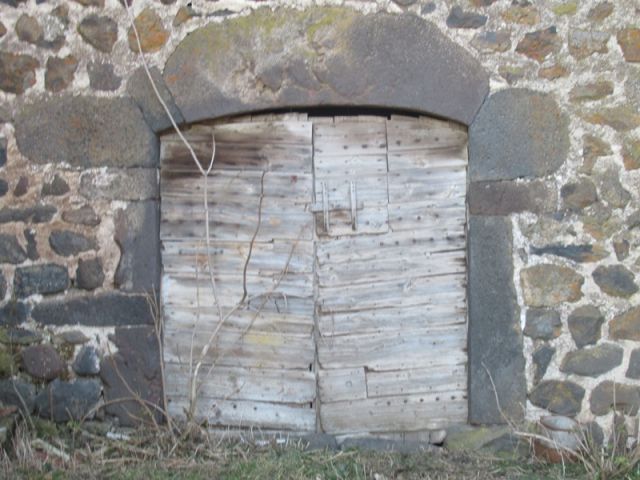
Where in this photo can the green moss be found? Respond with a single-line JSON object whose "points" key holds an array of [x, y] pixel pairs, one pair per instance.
{"points": [[7, 364], [568, 8]]}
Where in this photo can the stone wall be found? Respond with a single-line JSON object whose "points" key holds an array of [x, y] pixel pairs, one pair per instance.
{"points": [[553, 198]]}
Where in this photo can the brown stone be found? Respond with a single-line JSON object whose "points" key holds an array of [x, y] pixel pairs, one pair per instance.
{"points": [[592, 148], [42, 362], [183, 15], [631, 154], [600, 12], [152, 33], [540, 44], [620, 119], [591, 91], [553, 72], [608, 395], [60, 72], [29, 30], [17, 72], [524, 15], [485, 42], [584, 43], [626, 326], [629, 41], [578, 195], [611, 189], [100, 32], [3, 30], [621, 248], [563, 398], [550, 285]]}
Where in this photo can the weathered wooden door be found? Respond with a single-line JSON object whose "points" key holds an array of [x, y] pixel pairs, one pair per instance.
{"points": [[355, 312]]}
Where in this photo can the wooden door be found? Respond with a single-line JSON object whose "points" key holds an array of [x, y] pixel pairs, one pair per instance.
{"points": [[357, 315]]}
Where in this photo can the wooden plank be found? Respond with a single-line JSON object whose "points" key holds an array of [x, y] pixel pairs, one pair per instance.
{"points": [[350, 138], [247, 414], [341, 384], [369, 220], [349, 165], [407, 413], [413, 216], [392, 319], [395, 350], [435, 379], [371, 190], [423, 184], [413, 159], [233, 383], [442, 136]]}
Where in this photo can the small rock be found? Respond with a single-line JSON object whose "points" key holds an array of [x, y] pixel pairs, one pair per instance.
{"points": [[585, 325], [592, 149], [183, 15], [7, 367], [17, 72], [521, 14], [631, 154], [549, 285], [152, 33], [18, 393], [611, 190], [3, 286], [42, 362], [578, 195], [541, 359], [89, 274], [60, 72], [19, 336], [91, 3], [42, 279], [511, 73], [35, 214], [634, 364], [553, 72], [459, 18], [626, 326], [65, 401], [591, 91], [620, 119], [4, 187], [3, 30], [600, 12], [13, 313], [100, 32], [61, 12], [10, 250], [616, 280], [428, 8], [563, 398], [633, 220], [21, 187], [87, 361], [68, 243], [629, 41], [542, 324], [84, 215], [102, 77], [608, 395], [404, 3], [29, 30], [56, 187], [72, 337], [621, 247], [3, 145], [540, 44], [577, 253], [568, 8], [32, 246], [584, 43], [593, 361]]}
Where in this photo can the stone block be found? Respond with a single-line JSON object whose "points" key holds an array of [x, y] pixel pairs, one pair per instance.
{"points": [[506, 197]]}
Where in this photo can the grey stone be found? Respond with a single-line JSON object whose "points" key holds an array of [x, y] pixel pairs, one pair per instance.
{"points": [[485, 42], [86, 132], [626, 326], [621, 248], [349, 59], [495, 339], [89, 274], [101, 32], [56, 187], [84, 215], [592, 361], [10, 250], [584, 43], [35, 214], [563, 398], [319, 441], [19, 336], [60, 73], [633, 371], [600, 11], [136, 366], [541, 360], [459, 18], [622, 118], [102, 77], [68, 243], [611, 190], [72, 337], [428, 8], [13, 313], [3, 286], [105, 310], [21, 187], [542, 323], [612, 395], [137, 230], [585, 325], [32, 245], [29, 30], [64, 401], [615, 280], [4, 187], [18, 393], [139, 88], [577, 253], [42, 362], [120, 184], [505, 197], [591, 91], [87, 362], [501, 143], [17, 72], [593, 434], [3, 150], [41, 279], [548, 285]]}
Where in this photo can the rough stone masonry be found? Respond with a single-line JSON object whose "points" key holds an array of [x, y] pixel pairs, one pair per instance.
{"points": [[554, 225]]}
